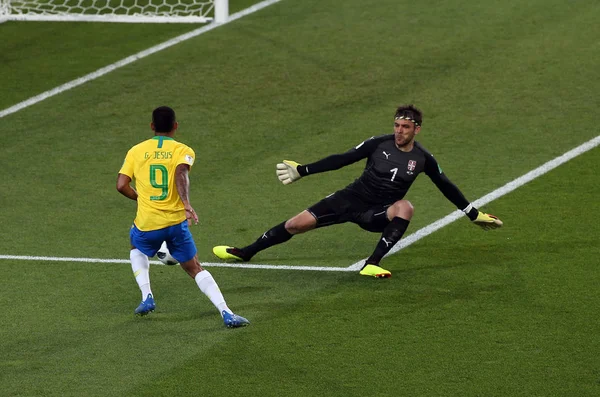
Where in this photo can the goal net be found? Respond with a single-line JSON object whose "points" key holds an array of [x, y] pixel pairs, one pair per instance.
{"points": [[142, 11]]}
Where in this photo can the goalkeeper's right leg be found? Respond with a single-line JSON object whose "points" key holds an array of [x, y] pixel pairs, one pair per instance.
{"points": [[276, 235]]}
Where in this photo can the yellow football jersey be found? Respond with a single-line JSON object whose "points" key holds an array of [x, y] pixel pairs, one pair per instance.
{"points": [[151, 164]]}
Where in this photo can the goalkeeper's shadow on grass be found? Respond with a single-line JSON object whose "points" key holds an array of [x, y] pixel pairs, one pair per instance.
{"points": [[447, 266], [307, 260]]}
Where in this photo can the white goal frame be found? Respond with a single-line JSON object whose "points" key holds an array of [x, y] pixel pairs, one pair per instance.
{"points": [[13, 10]]}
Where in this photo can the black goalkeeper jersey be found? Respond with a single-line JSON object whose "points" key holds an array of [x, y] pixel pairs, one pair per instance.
{"points": [[389, 172]]}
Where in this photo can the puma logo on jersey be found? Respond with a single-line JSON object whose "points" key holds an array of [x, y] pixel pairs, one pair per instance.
{"points": [[387, 156]]}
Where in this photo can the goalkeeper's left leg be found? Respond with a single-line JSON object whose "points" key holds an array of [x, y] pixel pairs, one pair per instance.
{"points": [[401, 212], [390, 236]]}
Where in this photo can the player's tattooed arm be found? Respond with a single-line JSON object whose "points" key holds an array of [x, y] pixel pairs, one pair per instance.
{"points": [[124, 187], [182, 182]]}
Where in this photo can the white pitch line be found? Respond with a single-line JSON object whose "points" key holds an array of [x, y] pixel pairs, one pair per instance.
{"points": [[130, 59], [426, 231], [207, 264], [509, 187]]}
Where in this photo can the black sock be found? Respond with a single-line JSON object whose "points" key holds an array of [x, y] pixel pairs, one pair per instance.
{"points": [[274, 236], [392, 233]]}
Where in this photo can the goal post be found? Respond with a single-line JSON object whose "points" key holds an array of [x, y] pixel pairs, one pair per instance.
{"points": [[127, 11]]}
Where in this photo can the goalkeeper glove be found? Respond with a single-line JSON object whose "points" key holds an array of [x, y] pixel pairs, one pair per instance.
{"points": [[287, 172], [487, 221]]}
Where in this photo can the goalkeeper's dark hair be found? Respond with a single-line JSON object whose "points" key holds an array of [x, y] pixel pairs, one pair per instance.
{"points": [[164, 119], [409, 112]]}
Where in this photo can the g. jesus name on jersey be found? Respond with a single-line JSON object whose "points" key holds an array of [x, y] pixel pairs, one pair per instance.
{"points": [[152, 164]]}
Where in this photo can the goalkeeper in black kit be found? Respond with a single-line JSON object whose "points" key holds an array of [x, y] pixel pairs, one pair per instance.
{"points": [[374, 201]]}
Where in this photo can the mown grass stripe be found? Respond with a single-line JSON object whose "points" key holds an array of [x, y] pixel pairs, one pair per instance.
{"points": [[130, 59]]}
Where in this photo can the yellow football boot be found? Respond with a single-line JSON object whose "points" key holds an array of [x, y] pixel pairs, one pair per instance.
{"points": [[375, 271], [225, 252]]}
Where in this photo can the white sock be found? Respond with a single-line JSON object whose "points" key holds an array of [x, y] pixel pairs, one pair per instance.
{"points": [[209, 287], [141, 271]]}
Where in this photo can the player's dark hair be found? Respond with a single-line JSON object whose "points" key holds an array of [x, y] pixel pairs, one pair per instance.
{"points": [[409, 112], [164, 119]]}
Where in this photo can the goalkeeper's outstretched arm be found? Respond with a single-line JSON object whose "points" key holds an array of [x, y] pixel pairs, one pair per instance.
{"points": [[452, 193], [290, 171]]}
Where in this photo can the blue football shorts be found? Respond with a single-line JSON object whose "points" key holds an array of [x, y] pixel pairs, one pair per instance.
{"points": [[178, 237]]}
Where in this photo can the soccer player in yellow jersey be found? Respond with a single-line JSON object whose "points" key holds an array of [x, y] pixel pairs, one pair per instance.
{"points": [[160, 167]]}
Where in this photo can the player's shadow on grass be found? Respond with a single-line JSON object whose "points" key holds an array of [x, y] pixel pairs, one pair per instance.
{"points": [[206, 319]]}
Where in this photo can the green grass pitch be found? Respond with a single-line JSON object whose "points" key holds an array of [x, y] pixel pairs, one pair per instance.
{"points": [[504, 86]]}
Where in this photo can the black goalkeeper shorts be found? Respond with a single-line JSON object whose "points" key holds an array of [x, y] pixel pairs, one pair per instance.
{"points": [[342, 207]]}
